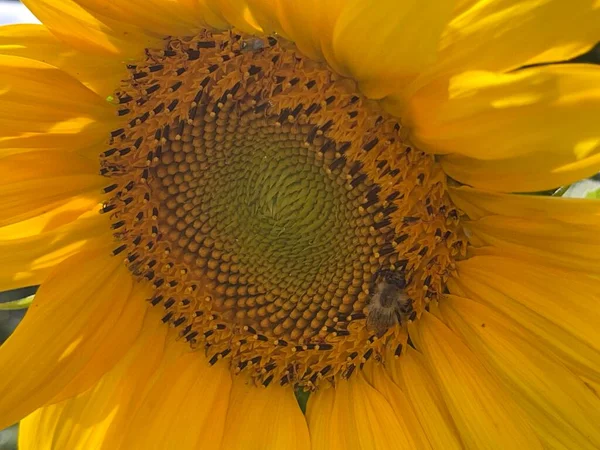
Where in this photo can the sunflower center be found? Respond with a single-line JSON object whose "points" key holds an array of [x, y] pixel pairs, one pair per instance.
{"points": [[280, 217]]}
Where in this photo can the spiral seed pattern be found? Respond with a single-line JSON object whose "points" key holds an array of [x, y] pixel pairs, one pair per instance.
{"points": [[261, 197]]}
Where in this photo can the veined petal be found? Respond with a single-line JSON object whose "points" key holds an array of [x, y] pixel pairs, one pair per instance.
{"points": [[213, 16], [24, 79], [88, 31], [237, 13], [266, 13], [564, 315], [99, 417], [500, 35], [29, 249], [484, 413], [320, 406], [556, 239], [80, 207], [135, 375], [71, 309], [301, 22], [185, 407], [591, 385], [27, 261], [540, 111], [35, 41], [45, 108], [123, 334], [261, 418], [159, 17], [310, 24], [462, 6], [382, 45], [410, 373], [549, 242], [377, 377], [560, 408], [75, 423], [478, 203], [328, 13], [36, 182], [537, 171], [354, 416]]}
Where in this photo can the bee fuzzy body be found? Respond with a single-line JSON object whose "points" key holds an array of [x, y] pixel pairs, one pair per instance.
{"points": [[389, 304]]}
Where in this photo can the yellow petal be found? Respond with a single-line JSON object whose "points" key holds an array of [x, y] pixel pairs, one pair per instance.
{"points": [[35, 41], [266, 13], [185, 408], [410, 372], [167, 18], [98, 418], [591, 385], [537, 171], [556, 239], [37, 182], [484, 413], [559, 307], [27, 261], [260, 418], [377, 377], [478, 203], [212, 16], [354, 416], [560, 408], [325, 18], [310, 24], [563, 245], [88, 31], [319, 411], [63, 329], [500, 35], [383, 44], [74, 423], [301, 21], [122, 335], [44, 107], [236, 13], [547, 110], [76, 208], [132, 378]]}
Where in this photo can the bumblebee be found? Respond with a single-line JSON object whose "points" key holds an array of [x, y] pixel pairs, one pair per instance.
{"points": [[389, 305]]}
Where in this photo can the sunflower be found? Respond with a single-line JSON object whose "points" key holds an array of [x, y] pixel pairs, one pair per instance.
{"points": [[229, 201]]}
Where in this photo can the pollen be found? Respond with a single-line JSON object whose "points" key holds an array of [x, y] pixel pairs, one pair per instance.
{"points": [[264, 200]]}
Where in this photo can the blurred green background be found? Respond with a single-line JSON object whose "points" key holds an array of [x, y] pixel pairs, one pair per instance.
{"points": [[8, 322]]}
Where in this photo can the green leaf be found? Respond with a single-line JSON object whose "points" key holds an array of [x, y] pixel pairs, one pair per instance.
{"points": [[302, 397], [588, 188], [21, 303], [593, 194]]}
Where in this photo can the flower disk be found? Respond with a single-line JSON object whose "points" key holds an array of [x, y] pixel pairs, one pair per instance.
{"points": [[261, 196]]}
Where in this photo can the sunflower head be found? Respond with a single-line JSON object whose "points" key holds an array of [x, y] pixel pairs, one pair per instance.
{"points": [[226, 202], [269, 205]]}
